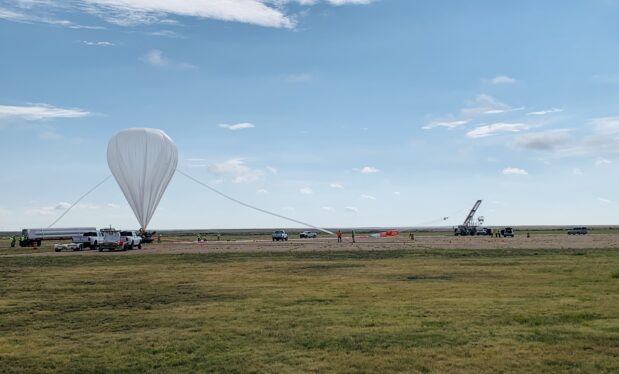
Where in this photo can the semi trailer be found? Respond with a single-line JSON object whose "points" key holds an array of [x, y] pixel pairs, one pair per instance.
{"points": [[34, 237]]}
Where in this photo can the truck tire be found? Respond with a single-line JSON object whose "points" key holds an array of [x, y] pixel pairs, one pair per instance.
{"points": [[100, 249], [56, 249], [95, 245], [140, 245], [39, 243]]}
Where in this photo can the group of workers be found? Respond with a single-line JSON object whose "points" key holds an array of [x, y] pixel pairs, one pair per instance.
{"points": [[13, 239], [339, 236]]}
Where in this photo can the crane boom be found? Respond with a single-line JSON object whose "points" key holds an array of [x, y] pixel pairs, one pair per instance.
{"points": [[469, 218]]}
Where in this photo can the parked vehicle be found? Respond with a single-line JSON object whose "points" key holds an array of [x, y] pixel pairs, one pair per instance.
{"points": [[69, 246], [463, 230], [111, 240], [88, 239], [577, 231], [279, 235], [507, 232], [30, 237], [131, 239], [308, 235], [484, 231]]}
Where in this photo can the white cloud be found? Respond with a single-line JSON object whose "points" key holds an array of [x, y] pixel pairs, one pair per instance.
{"points": [[369, 197], [17, 16], [606, 125], [543, 141], [577, 171], [155, 57], [336, 185], [113, 205], [267, 13], [447, 124], [238, 126], [489, 130], [98, 44], [514, 171], [306, 191], [236, 169], [133, 12], [288, 208], [604, 200], [486, 104], [328, 209], [262, 191], [299, 78], [272, 170], [59, 208], [604, 138], [166, 34], [352, 209], [34, 112], [502, 79], [348, 2], [544, 112], [600, 161], [369, 170]]}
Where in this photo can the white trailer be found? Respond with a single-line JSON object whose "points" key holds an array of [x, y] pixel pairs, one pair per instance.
{"points": [[30, 237]]}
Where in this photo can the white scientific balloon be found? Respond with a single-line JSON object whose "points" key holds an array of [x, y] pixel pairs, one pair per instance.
{"points": [[143, 162]]}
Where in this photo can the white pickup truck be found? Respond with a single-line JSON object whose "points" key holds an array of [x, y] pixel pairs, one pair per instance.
{"points": [[89, 239], [131, 239]]}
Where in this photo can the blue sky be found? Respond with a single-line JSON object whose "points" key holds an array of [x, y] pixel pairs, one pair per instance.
{"points": [[338, 113]]}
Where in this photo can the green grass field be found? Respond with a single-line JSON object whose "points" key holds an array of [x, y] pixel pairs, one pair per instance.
{"points": [[389, 311]]}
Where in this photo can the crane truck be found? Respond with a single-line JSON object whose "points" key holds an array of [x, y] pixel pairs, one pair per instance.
{"points": [[468, 227]]}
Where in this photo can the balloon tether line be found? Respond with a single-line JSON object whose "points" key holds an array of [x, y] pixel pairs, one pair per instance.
{"points": [[78, 200], [251, 206]]}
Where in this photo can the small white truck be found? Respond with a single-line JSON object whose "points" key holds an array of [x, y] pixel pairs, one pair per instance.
{"points": [[132, 239], [89, 239]]}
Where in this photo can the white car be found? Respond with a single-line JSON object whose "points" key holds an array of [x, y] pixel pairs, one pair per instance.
{"points": [[68, 246], [308, 235]]}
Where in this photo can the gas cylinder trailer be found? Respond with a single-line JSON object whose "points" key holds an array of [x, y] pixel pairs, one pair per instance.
{"points": [[468, 227], [30, 237]]}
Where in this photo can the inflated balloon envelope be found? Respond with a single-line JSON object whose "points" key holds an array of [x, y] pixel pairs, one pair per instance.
{"points": [[143, 162]]}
